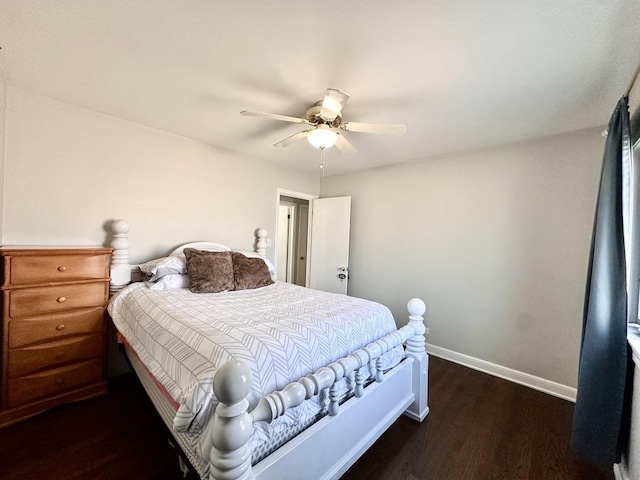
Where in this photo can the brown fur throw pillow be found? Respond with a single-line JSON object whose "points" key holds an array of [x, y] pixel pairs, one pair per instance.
{"points": [[209, 272], [249, 272]]}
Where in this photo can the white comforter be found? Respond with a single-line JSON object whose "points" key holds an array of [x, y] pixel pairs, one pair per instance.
{"points": [[282, 332]]}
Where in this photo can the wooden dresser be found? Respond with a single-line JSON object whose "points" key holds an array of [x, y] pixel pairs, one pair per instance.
{"points": [[53, 327]]}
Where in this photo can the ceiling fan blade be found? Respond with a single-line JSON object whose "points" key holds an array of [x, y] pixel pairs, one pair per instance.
{"points": [[274, 116], [333, 103], [397, 130], [292, 138], [344, 146]]}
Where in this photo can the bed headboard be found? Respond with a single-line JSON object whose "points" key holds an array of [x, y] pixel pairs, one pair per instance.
{"points": [[121, 269], [207, 246]]}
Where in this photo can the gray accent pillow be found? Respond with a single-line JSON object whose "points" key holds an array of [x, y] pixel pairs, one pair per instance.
{"points": [[209, 272]]}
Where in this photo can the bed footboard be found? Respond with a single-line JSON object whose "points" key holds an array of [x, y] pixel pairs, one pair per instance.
{"points": [[231, 453]]}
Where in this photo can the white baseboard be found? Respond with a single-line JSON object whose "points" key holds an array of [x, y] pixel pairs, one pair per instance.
{"points": [[547, 386], [619, 473]]}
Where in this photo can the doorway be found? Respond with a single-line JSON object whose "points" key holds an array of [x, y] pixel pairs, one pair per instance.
{"points": [[321, 262], [292, 244]]}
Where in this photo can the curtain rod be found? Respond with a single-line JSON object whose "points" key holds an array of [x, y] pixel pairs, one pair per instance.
{"points": [[605, 132], [633, 80]]}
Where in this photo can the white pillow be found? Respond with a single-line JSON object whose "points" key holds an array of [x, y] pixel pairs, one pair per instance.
{"points": [[171, 281], [158, 268]]}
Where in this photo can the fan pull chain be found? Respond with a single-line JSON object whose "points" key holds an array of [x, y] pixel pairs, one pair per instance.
{"points": [[322, 154]]}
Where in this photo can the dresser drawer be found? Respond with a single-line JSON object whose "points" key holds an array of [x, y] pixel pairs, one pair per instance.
{"points": [[46, 355], [52, 342], [30, 270], [40, 300], [52, 327], [30, 387]]}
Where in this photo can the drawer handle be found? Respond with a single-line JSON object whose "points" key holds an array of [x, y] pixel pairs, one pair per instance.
{"points": [[60, 327], [59, 381], [62, 268], [59, 355], [62, 299]]}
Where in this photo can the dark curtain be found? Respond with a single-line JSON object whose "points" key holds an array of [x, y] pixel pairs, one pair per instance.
{"points": [[604, 384]]}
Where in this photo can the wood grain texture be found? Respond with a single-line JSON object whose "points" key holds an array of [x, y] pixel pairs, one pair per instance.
{"points": [[480, 427], [116, 436], [53, 327]]}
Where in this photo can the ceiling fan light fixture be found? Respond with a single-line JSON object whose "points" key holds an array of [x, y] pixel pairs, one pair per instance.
{"points": [[322, 137], [331, 106]]}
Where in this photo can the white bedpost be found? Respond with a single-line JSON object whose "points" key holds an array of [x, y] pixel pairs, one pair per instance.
{"points": [[418, 410], [261, 242], [120, 268], [232, 426]]}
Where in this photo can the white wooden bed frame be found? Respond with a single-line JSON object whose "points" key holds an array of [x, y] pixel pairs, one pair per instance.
{"points": [[331, 445]]}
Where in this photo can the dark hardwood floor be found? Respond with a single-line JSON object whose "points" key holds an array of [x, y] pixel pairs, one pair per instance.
{"points": [[480, 427]]}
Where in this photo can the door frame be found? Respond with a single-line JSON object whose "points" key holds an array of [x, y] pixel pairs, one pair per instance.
{"points": [[288, 262], [280, 192]]}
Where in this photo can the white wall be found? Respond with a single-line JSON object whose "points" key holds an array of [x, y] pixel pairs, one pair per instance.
{"points": [[69, 170], [495, 241]]}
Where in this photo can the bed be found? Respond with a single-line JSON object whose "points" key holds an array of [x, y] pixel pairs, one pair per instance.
{"points": [[273, 381]]}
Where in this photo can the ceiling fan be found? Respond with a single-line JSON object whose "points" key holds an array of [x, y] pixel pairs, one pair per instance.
{"points": [[325, 119]]}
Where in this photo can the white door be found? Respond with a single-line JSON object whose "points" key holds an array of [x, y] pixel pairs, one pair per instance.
{"points": [[330, 228]]}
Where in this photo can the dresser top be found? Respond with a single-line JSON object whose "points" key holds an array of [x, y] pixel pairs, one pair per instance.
{"points": [[52, 250]]}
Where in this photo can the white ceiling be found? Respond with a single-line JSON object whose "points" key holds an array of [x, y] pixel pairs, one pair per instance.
{"points": [[459, 74]]}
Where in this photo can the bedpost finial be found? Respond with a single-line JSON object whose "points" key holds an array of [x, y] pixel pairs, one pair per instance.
{"points": [[415, 348], [416, 307], [232, 382], [120, 227], [230, 456], [120, 268], [261, 242]]}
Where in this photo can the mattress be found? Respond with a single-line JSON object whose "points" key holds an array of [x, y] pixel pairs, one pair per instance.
{"points": [[282, 332], [165, 407]]}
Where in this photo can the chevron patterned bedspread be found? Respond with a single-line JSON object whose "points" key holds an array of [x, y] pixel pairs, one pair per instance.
{"points": [[282, 332]]}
